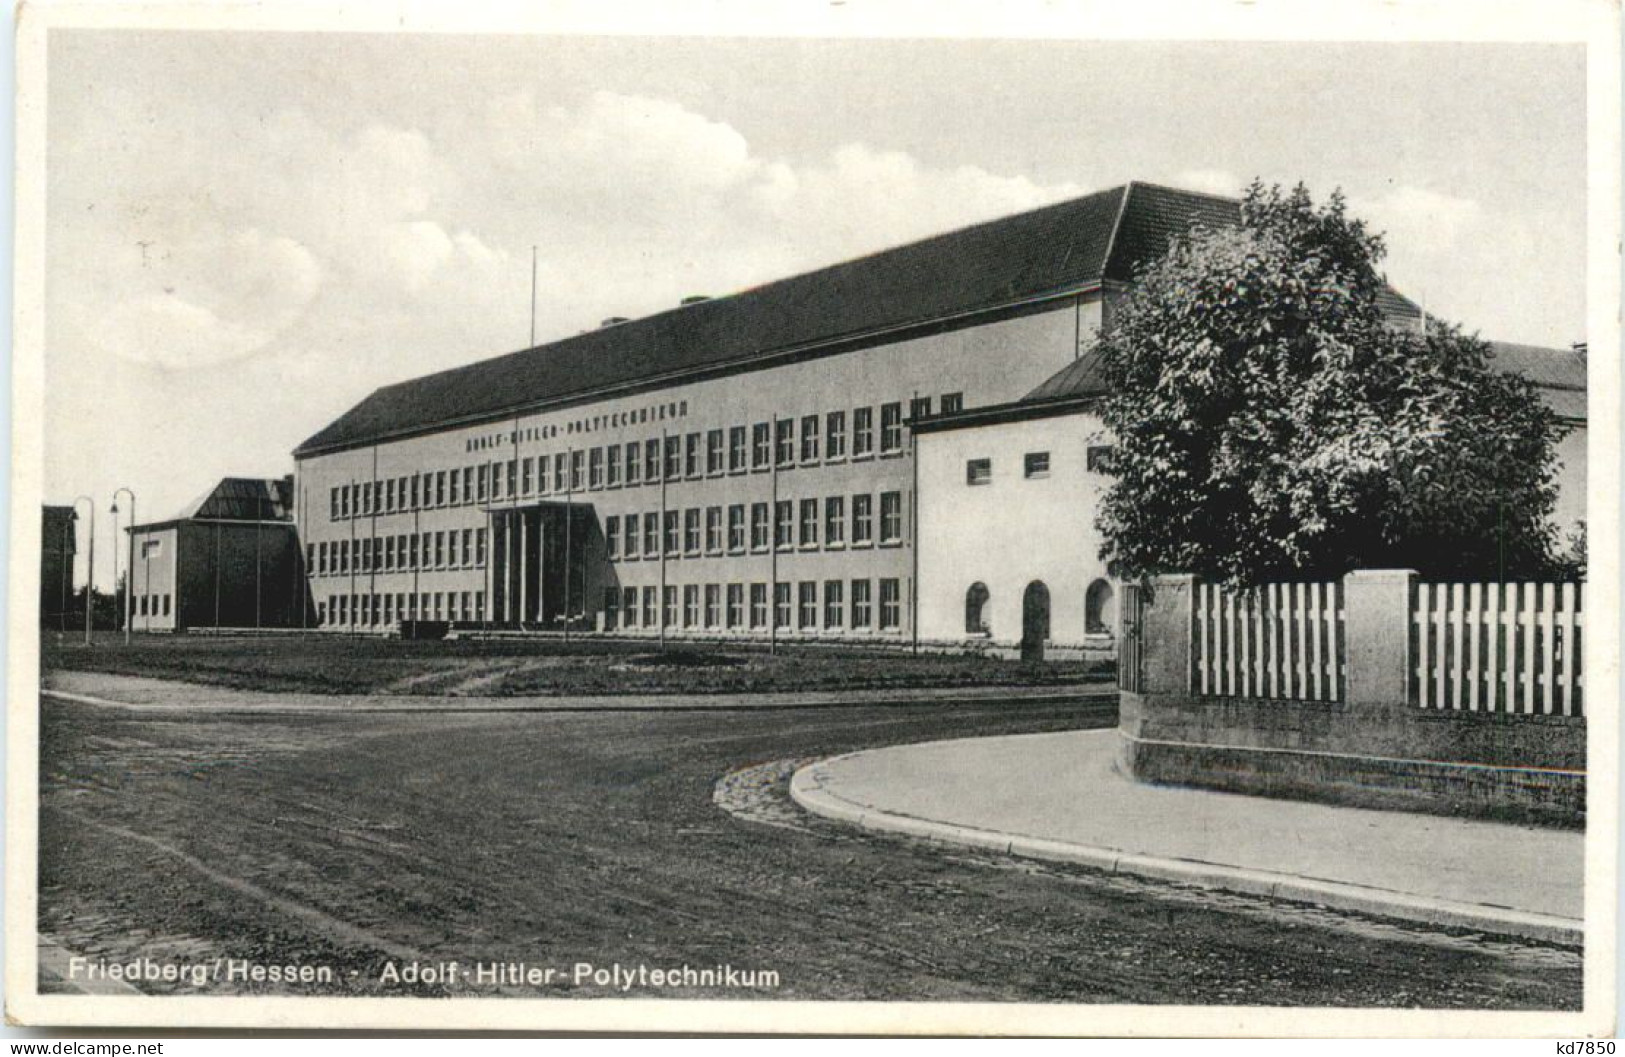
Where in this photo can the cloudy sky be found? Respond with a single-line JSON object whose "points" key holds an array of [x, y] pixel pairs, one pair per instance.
{"points": [[248, 232]]}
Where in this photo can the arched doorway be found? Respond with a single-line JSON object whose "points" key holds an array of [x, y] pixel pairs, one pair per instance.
{"points": [[1034, 621], [1100, 609], [976, 609]]}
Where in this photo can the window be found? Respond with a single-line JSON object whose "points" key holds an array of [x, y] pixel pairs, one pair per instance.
{"points": [[1101, 459], [784, 442], [891, 610], [713, 605], [761, 444], [919, 407], [576, 460], [650, 618], [809, 438], [674, 532], [595, 468], [468, 484], [835, 521], [758, 606], [809, 522], [979, 471], [414, 539], [691, 530], [784, 527], [484, 481], [691, 605], [891, 517], [389, 552], [389, 495], [651, 460], [863, 527], [807, 608], [736, 449], [736, 605], [736, 528], [953, 403], [758, 526], [631, 547], [863, 432], [1099, 608], [629, 605], [781, 606], [1035, 464], [612, 607], [835, 435], [527, 479], [333, 499], [668, 608], [612, 537], [612, 466], [479, 605], [440, 486], [321, 557], [691, 455], [674, 458], [479, 547], [891, 428], [713, 451], [834, 612], [651, 534], [416, 494], [713, 530], [439, 550], [976, 609], [344, 501], [632, 464], [468, 546], [344, 555], [861, 616]]}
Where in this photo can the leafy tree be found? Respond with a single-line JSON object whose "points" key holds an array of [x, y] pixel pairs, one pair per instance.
{"points": [[1271, 423]]}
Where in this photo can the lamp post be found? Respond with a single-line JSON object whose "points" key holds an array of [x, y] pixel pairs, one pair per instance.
{"points": [[90, 567], [129, 596]]}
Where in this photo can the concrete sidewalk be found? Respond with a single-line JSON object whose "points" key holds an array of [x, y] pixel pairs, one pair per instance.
{"points": [[1059, 797], [142, 694]]}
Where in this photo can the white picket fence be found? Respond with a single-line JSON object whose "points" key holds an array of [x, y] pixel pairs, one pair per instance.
{"points": [[1499, 648], [1282, 641]]}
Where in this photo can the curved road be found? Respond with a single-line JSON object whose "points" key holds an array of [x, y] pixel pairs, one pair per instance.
{"points": [[358, 842]]}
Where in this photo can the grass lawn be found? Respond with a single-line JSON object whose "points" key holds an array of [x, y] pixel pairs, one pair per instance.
{"points": [[333, 664]]}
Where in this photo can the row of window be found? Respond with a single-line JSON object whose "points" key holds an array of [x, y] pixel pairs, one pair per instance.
{"points": [[1035, 464], [152, 605], [783, 443], [792, 524], [449, 549], [809, 605], [372, 610]]}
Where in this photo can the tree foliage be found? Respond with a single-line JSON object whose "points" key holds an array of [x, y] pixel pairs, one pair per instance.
{"points": [[1272, 424]]}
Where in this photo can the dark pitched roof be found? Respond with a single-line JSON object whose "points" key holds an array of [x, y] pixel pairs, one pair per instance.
{"points": [[239, 499], [1069, 246]]}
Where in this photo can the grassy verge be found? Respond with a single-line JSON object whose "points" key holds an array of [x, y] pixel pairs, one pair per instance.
{"points": [[326, 664]]}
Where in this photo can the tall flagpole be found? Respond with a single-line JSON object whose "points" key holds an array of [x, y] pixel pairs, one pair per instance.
{"points": [[532, 297]]}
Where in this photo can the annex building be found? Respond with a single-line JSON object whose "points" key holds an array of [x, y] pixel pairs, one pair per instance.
{"points": [[746, 466]]}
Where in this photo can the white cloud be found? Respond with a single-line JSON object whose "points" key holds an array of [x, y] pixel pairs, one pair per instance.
{"points": [[1213, 181], [1423, 220]]}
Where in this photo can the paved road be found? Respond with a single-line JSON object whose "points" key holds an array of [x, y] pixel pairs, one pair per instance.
{"points": [[358, 841]]}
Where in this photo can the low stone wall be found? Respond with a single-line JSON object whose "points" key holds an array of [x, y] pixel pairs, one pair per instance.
{"points": [[1523, 768]]}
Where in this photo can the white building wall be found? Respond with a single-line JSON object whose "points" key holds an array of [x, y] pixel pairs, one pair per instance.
{"points": [[1013, 530]]}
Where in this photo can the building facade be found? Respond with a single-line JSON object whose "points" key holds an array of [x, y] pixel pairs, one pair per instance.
{"points": [[229, 560], [739, 467]]}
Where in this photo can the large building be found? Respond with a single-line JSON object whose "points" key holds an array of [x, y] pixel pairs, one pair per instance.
{"points": [[229, 560], [745, 466]]}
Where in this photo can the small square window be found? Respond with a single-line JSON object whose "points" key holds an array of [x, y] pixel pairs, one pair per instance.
{"points": [[1036, 464], [1101, 459], [980, 471]]}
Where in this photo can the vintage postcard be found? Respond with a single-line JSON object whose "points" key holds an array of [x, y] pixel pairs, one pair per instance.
{"points": [[845, 517]]}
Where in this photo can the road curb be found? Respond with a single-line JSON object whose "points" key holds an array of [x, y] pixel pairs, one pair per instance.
{"points": [[809, 787]]}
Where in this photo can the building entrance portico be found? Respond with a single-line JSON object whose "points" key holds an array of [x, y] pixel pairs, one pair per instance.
{"points": [[536, 570]]}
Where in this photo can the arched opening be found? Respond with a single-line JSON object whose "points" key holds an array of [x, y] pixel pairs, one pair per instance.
{"points": [[976, 610], [1034, 621], [1100, 609]]}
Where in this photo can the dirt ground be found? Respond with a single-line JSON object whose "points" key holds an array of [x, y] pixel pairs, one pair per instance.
{"points": [[652, 839]]}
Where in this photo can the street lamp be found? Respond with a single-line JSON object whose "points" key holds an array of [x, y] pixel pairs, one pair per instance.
{"points": [[129, 596], [90, 569]]}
